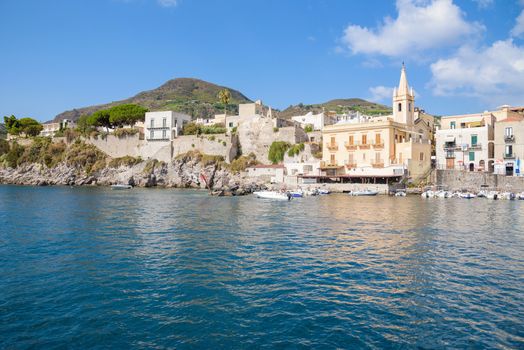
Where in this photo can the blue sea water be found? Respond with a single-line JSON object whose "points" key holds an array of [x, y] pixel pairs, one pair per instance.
{"points": [[89, 268]]}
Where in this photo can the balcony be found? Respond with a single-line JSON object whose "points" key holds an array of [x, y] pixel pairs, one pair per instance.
{"points": [[509, 138], [364, 146], [476, 146], [450, 146], [509, 155], [351, 165], [332, 146], [379, 145], [328, 165], [350, 146], [377, 164]]}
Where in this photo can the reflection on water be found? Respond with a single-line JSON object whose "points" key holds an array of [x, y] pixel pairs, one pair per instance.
{"points": [[169, 268]]}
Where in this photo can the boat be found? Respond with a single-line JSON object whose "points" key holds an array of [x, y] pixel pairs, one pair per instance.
{"points": [[283, 196], [442, 194], [323, 191], [428, 194], [492, 195], [363, 193], [467, 195], [520, 196], [400, 194], [297, 194], [121, 187], [508, 195]]}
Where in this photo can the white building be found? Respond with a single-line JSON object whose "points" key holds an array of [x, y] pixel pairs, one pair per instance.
{"points": [[164, 125], [465, 142], [50, 129], [317, 121]]}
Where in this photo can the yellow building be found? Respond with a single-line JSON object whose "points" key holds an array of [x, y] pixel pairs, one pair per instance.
{"points": [[384, 148]]}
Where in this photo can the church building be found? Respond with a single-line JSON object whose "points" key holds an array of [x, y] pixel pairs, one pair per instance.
{"points": [[384, 148]]}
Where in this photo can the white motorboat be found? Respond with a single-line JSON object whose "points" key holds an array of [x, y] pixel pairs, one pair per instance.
{"points": [[492, 195], [363, 193], [121, 187], [467, 195], [428, 194], [273, 195], [442, 194], [323, 191], [507, 195], [520, 196], [400, 194]]}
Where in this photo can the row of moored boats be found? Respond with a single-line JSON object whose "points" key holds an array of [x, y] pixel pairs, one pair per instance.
{"points": [[470, 195], [288, 195]]}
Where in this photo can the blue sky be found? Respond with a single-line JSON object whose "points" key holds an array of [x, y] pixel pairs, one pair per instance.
{"points": [[461, 56]]}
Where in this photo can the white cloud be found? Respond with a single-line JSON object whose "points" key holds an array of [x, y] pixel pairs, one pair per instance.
{"points": [[494, 74], [381, 93], [168, 3], [420, 25], [518, 29]]}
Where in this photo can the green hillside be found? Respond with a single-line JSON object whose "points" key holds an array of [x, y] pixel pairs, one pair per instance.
{"points": [[195, 97], [339, 106]]}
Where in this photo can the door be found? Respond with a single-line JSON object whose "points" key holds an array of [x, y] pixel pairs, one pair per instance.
{"points": [[471, 167], [450, 163], [509, 169]]}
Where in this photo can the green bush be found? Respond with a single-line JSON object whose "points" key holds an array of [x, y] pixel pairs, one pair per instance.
{"points": [[277, 151], [151, 164], [12, 157], [224, 143], [308, 128], [275, 129], [122, 132], [126, 160], [85, 156], [243, 162], [295, 150], [4, 147]]}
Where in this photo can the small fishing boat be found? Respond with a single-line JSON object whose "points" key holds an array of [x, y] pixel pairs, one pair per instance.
{"points": [[323, 191], [467, 195], [121, 187], [363, 193], [273, 195], [428, 194], [508, 196], [400, 194], [442, 194], [297, 194], [492, 195], [520, 196]]}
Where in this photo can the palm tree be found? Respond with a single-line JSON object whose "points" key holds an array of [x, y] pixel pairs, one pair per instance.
{"points": [[224, 96]]}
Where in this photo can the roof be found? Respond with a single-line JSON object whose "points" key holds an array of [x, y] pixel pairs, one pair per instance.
{"points": [[512, 118]]}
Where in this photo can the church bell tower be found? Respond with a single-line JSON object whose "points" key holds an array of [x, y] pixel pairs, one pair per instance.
{"points": [[403, 101]]}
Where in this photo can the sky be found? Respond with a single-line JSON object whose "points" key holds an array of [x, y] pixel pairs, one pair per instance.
{"points": [[461, 56]]}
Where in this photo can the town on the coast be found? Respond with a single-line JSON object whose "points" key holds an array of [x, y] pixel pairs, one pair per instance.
{"points": [[253, 148]]}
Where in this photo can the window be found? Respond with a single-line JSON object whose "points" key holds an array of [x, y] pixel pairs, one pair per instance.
{"points": [[308, 168], [152, 123], [421, 158], [377, 157], [164, 134], [509, 150], [351, 158], [363, 156], [508, 132], [409, 108], [351, 140], [230, 124], [462, 125], [473, 140], [472, 156], [377, 139], [332, 140], [452, 125], [176, 123], [151, 134], [164, 122], [400, 107], [364, 139], [332, 159]]}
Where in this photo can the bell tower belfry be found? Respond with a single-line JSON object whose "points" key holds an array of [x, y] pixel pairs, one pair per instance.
{"points": [[403, 100]]}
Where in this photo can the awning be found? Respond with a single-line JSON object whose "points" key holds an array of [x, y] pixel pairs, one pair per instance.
{"points": [[449, 139]]}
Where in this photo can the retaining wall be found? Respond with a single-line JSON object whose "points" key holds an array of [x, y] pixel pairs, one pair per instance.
{"points": [[456, 180]]}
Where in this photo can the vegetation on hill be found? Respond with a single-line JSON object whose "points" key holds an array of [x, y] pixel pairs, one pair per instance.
{"points": [[339, 106], [197, 129], [27, 126], [277, 151], [3, 131], [195, 97]]}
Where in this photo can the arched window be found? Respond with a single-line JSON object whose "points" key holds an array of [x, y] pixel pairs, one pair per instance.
{"points": [[400, 107]]}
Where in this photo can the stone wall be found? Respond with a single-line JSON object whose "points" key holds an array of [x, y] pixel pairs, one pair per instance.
{"points": [[257, 135], [456, 180], [217, 144]]}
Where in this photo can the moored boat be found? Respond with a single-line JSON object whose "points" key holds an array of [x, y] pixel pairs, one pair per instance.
{"points": [[400, 194], [121, 187], [273, 195], [363, 193]]}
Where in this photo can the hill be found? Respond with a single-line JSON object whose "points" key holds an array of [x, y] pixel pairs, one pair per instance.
{"points": [[339, 106], [195, 97]]}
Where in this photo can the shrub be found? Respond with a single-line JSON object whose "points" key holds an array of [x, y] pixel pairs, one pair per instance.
{"points": [[275, 129], [151, 164], [234, 130], [123, 132], [308, 128], [4, 147], [12, 157], [295, 150], [211, 138], [84, 156], [277, 151], [224, 143], [191, 129], [243, 162], [126, 160]]}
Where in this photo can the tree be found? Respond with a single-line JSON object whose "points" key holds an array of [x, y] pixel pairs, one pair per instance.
{"points": [[30, 126], [127, 114], [99, 118], [12, 125], [191, 129], [82, 124], [224, 96]]}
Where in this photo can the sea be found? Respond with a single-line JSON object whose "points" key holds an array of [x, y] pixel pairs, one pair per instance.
{"points": [[92, 268]]}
